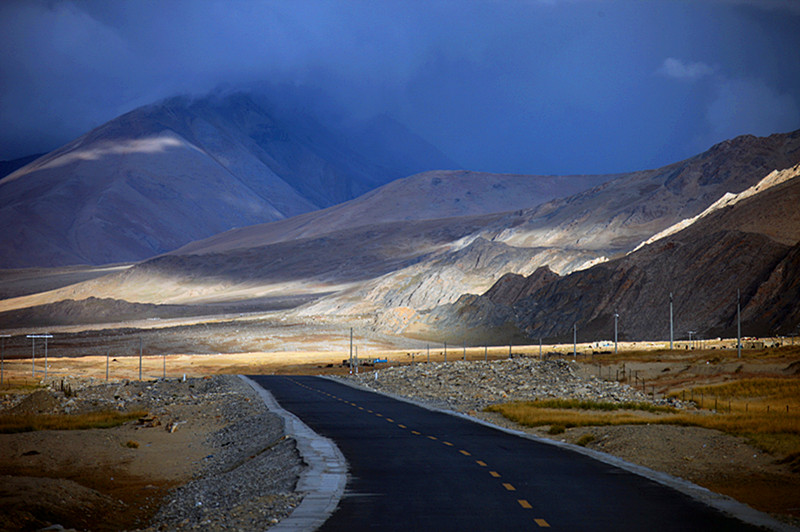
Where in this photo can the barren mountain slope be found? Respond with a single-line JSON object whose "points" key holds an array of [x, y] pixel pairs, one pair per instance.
{"points": [[573, 233], [618, 215], [320, 265], [394, 270], [171, 173], [752, 246], [426, 196]]}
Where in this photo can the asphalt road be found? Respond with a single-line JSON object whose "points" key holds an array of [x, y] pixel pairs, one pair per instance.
{"points": [[415, 469]]}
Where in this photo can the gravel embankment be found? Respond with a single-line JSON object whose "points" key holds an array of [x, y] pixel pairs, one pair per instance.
{"points": [[249, 481], [473, 385]]}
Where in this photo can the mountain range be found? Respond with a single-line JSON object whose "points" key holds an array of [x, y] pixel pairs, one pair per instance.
{"points": [[167, 174], [441, 254], [744, 249]]}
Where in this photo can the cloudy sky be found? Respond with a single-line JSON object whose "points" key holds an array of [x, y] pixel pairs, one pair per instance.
{"points": [[529, 86]]}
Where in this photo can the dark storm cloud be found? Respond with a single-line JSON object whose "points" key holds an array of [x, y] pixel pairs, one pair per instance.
{"points": [[528, 86]]}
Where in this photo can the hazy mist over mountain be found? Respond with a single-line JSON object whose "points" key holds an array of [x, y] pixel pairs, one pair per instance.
{"points": [[533, 87]]}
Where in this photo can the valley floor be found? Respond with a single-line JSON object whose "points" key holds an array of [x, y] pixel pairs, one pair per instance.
{"points": [[217, 412]]}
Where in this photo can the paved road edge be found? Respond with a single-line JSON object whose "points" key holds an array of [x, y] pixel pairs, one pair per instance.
{"points": [[325, 478], [721, 502]]}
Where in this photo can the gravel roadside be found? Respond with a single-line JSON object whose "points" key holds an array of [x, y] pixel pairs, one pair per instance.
{"points": [[248, 483], [213, 438]]}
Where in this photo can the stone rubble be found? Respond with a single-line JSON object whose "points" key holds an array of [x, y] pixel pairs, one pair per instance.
{"points": [[473, 385], [249, 480]]}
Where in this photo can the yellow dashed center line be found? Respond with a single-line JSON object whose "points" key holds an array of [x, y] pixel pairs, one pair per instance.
{"points": [[522, 502]]}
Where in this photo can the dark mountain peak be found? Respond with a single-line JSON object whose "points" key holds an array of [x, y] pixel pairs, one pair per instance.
{"points": [[512, 287], [183, 169]]}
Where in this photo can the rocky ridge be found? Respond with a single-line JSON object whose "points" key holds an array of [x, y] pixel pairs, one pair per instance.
{"points": [[749, 245]]}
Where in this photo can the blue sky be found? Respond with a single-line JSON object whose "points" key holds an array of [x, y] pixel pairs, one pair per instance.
{"points": [[536, 86]]}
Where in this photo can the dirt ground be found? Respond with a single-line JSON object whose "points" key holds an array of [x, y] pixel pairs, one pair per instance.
{"points": [[99, 479]]}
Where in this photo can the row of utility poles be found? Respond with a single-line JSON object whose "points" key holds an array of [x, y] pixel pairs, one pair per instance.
{"points": [[354, 362], [47, 336]]}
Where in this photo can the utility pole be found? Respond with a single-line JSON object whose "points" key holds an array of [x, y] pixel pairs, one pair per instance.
{"points": [[671, 338], [351, 350], [540, 348], [140, 359], [575, 339], [3, 355], [616, 318], [33, 338], [445, 352], [738, 324]]}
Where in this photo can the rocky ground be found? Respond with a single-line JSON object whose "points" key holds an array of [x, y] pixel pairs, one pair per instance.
{"points": [[205, 455], [473, 385]]}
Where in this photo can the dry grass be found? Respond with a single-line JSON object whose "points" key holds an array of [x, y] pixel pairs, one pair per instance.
{"points": [[536, 414], [578, 404], [765, 409], [696, 355], [19, 385], [93, 420], [786, 390], [776, 431]]}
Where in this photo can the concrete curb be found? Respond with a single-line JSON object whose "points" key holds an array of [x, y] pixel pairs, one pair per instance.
{"points": [[723, 503], [325, 478]]}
